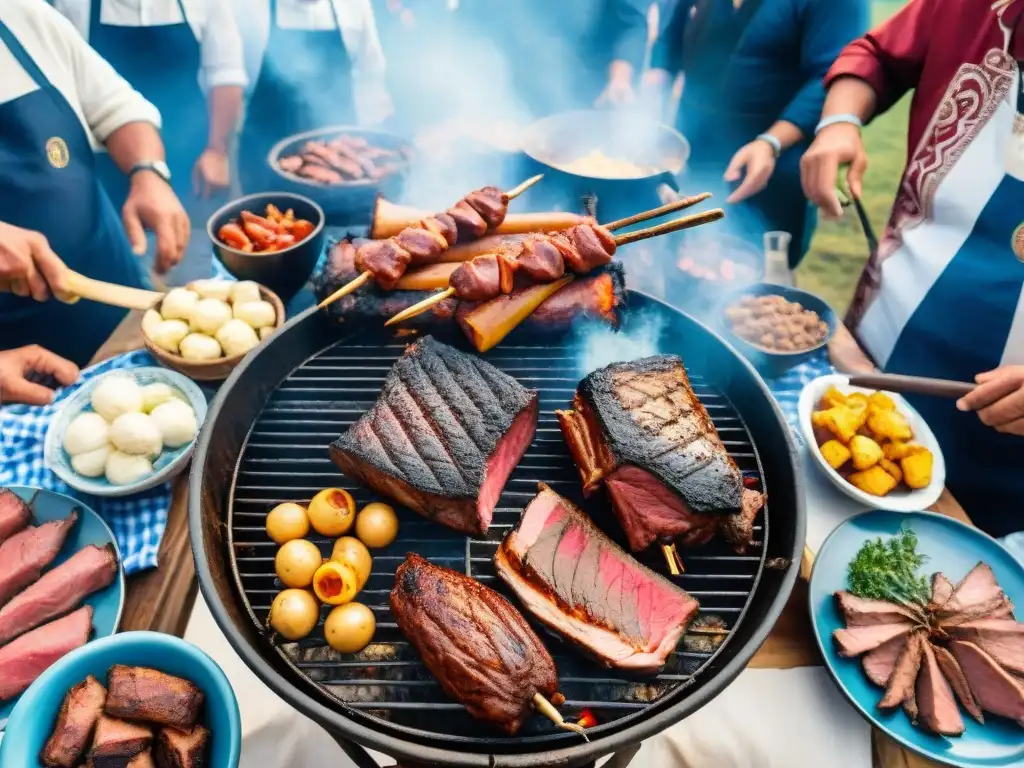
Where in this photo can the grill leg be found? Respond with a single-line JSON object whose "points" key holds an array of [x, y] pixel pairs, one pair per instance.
{"points": [[623, 758], [355, 753]]}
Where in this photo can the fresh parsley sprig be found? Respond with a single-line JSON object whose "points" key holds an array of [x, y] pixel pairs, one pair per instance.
{"points": [[887, 570]]}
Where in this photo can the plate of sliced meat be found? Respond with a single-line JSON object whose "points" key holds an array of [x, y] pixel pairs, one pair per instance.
{"points": [[914, 615], [61, 583]]}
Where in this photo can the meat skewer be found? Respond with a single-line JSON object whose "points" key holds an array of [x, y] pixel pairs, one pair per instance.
{"points": [[426, 241], [389, 219], [544, 258]]}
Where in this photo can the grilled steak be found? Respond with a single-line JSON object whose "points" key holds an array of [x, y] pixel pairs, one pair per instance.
{"points": [[117, 742], [900, 687], [14, 514], [90, 569], [639, 428], [937, 707], [82, 707], [443, 437], [879, 663], [473, 641], [578, 582], [1002, 639], [942, 590], [977, 596], [997, 691], [954, 675], [25, 659], [863, 612], [854, 641], [140, 693], [181, 749], [24, 555]]}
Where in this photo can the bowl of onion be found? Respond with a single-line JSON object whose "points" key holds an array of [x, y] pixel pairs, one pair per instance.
{"points": [[205, 329]]}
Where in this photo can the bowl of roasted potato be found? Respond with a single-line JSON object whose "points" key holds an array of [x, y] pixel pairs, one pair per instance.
{"points": [[872, 445]]}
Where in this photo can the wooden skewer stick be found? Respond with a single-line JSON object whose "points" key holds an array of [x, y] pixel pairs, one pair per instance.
{"points": [[364, 278], [708, 631], [547, 709], [678, 205], [686, 222], [675, 563]]}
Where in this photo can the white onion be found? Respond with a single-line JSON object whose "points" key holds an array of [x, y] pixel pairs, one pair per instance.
{"points": [[209, 315], [115, 394], [176, 421], [178, 304], [199, 346], [212, 289], [150, 321], [154, 394], [124, 469], [86, 432], [137, 434], [168, 335]]}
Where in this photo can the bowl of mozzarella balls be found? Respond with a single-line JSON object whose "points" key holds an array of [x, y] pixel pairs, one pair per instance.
{"points": [[125, 432], [204, 329]]}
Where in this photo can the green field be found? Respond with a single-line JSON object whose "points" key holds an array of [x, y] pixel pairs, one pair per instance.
{"points": [[838, 251]]}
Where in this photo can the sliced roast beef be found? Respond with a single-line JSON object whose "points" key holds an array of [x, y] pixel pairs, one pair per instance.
{"points": [[958, 682], [25, 554], [578, 582], [141, 693], [480, 648], [901, 683], [15, 514], [182, 749], [1002, 639], [879, 663], [942, 590], [117, 742], [26, 658], [89, 570], [996, 690], [82, 707], [854, 641], [443, 437], [978, 588], [639, 428], [145, 760], [864, 612], [937, 707]]}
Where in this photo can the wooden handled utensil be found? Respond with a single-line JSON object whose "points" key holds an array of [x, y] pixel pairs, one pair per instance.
{"points": [[82, 287], [917, 385]]}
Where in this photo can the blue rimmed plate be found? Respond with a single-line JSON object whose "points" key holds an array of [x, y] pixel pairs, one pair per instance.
{"points": [[90, 529], [953, 548]]}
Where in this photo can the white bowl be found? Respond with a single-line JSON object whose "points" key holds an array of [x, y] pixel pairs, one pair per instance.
{"points": [[168, 465], [900, 500]]}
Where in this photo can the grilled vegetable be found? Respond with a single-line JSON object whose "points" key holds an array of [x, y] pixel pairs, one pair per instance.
{"points": [[332, 511], [350, 551], [349, 628], [286, 522], [335, 583], [294, 613], [377, 525], [296, 562]]}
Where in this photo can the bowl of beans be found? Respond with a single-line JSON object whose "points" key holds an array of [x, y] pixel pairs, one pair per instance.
{"points": [[776, 327]]}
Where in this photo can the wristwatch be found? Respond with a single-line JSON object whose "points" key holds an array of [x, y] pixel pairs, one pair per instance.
{"points": [[159, 167]]}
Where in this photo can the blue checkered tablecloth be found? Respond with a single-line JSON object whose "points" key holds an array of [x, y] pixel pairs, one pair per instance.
{"points": [[787, 388], [138, 521]]}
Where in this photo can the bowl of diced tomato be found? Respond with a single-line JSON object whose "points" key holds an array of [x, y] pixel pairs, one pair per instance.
{"points": [[272, 238]]}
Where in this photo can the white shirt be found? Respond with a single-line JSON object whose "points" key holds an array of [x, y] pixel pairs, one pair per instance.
{"points": [[102, 99], [358, 32], [212, 22]]}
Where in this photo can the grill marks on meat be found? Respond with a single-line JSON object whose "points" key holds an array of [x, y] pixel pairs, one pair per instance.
{"points": [[15, 514], [443, 437], [89, 570], [140, 693], [480, 649], [936, 706], [640, 427], [117, 742], [26, 658], [181, 749], [578, 582], [997, 691], [24, 556], [78, 715], [954, 675]]}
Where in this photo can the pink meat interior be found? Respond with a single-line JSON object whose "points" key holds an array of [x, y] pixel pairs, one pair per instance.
{"points": [[506, 456]]}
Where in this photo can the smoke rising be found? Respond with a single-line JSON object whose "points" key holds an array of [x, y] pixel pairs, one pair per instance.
{"points": [[599, 346]]}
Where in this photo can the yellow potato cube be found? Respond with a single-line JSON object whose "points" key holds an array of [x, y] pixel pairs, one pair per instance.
{"points": [[857, 401], [818, 418], [892, 468], [881, 401], [895, 450], [889, 424], [835, 453], [832, 398], [866, 452], [873, 480], [917, 469], [842, 422]]}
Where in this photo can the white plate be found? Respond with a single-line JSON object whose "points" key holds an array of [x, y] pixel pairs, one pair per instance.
{"points": [[900, 500]]}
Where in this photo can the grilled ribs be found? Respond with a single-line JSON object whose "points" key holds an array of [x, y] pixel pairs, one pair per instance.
{"points": [[577, 581], [639, 428], [443, 437], [473, 641]]}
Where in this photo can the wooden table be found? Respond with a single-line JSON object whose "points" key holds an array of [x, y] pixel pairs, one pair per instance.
{"points": [[161, 599]]}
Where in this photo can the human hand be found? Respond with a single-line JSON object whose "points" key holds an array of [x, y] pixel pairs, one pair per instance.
{"points": [[819, 167], [211, 173], [998, 399], [28, 267], [617, 93], [758, 160], [17, 364], [152, 205]]}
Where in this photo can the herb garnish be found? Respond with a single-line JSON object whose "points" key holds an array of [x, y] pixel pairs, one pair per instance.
{"points": [[888, 571]]}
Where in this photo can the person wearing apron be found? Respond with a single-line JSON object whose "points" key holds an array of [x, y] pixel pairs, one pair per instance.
{"points": [[48, 181], [944, 294], [751, 98], [313, 64]]}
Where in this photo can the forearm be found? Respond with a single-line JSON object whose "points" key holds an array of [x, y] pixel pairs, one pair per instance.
{"points": [[225, 105], [786, 132], [850, 96], [134, 143]]}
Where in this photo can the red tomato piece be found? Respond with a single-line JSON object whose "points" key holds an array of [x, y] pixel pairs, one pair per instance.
{"points": [[232, 234], [302, 229], [251, 218], [260, 235]]}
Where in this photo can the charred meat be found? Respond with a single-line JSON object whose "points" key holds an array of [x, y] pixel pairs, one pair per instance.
{"points": [[140, 693], [181, 749], [117, 742], [26, 658], [473, 641], [579, 583], [443, 437], [24, 556], [15, 514], [639, 428], [78, 715]]}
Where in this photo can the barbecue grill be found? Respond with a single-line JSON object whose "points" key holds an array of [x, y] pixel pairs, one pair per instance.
{"points": [[265, 442]]}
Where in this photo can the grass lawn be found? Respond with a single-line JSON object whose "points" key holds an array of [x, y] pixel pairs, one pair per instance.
{"points": [[839, 250]]}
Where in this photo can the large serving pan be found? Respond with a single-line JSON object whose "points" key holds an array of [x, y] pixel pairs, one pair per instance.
{"points": [[265, 441]]}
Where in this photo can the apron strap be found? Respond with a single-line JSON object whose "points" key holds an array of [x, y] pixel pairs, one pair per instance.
{"points": [[22, 57]]}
